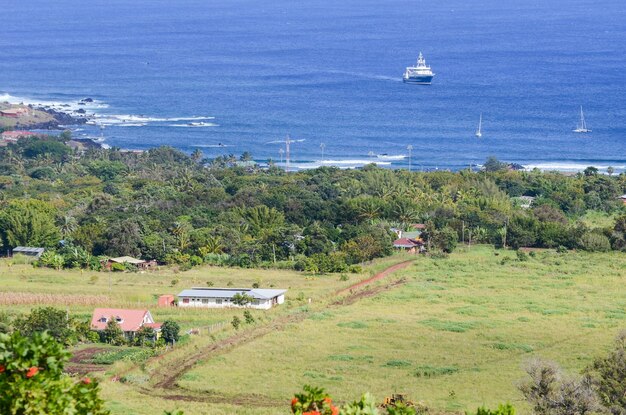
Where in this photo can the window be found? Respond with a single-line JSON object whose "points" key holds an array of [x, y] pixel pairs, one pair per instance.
{"points": [[103, 320], [205, 301], [185, 300], [218, 301]]}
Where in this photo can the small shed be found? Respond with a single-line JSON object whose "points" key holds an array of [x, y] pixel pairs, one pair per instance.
{"points": [[623, 198], [28, 251], [167, 300]]}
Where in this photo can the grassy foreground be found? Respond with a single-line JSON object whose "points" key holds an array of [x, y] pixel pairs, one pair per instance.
{"points": [[456, 335]]}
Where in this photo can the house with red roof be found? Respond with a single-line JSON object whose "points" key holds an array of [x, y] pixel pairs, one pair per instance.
{"points": [[16, 134], [409, 245], [130, 321]]}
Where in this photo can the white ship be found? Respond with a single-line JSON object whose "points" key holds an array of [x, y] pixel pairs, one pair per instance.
{"points": [[420, 74]]}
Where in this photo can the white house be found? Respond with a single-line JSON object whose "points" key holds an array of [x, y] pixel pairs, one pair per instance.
{"points": [[262, 299]]}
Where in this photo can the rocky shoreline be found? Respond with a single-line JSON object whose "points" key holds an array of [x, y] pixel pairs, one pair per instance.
{"points": [[60, 119]]}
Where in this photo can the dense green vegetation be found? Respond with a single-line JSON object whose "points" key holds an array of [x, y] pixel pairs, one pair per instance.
{"points": [[179, 209]]}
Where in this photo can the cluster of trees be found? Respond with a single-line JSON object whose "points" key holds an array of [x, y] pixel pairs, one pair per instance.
{"points": [[67, 330], [179, 209]]}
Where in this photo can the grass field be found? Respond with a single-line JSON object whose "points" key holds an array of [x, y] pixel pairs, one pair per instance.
{"points": [[455, 335]]}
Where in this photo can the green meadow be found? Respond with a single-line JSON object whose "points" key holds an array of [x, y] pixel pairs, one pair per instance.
{"points": [[455, 334]]}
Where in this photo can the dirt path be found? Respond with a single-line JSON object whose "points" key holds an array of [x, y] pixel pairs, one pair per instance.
{"points": [[175, 370], [80, 362], [376, 277]]}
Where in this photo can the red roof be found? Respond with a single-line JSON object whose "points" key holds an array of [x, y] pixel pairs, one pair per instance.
{"points": [[406, 242], [17, 134], [156, 326], [419, 226], [129, 320]]}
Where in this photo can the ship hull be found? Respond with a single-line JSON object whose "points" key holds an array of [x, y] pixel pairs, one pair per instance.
{"points": [[418, 80]]}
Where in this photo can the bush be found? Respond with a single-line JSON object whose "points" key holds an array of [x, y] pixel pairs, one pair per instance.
{"points": [[594, 242], [170, 331], [502, 410], [521, 256], [32, 379], [56, 322], [247, 315], [355, 269], [113, 333], [236, 322]]}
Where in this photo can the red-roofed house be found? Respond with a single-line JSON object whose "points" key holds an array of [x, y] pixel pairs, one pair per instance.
{"points": [[14, 112], [410, 245], [14, 135], [130, 321]]}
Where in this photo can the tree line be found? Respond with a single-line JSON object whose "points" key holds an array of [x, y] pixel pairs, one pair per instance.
{"points": [[183, 209]]}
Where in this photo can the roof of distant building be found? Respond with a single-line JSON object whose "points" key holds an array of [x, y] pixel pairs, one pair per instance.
{"points": [[18, 134], [29, 250], [407, 243], [256, 293], [127, 259], [129, 320]]}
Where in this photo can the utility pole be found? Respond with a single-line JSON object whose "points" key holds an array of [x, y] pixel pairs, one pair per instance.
{"points": [[287, 153], [463, 231], [410, 148], [322, 146], [281, 151]]}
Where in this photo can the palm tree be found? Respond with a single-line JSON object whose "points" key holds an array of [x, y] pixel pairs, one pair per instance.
{"points": [[196, 156], [68, 225]]}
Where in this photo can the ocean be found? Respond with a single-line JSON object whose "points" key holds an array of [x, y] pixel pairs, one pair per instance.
{"points": [[240, 75]]}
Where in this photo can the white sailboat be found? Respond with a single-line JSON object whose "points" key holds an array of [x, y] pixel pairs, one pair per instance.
{"points": [[480, 126], [582, 127]]}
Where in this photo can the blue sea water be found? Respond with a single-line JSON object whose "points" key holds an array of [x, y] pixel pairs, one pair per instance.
{"points": [[327, 71]]}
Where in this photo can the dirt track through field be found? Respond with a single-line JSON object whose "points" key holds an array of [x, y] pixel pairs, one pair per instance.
{"points": [[175, 371]]}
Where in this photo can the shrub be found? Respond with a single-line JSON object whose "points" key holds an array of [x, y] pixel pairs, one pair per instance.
{"points": [[594, 242], [247, 315], [170, 331], [113, 333], [55, 321], [521, 256], [355, 269], [313, 401], [502, 410], [608, 376], [32, 379], [236, 322]]}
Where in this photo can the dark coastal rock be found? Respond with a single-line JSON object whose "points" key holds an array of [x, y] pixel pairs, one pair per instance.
{"points": [[87, 100], [60, 118], [81, 111]]}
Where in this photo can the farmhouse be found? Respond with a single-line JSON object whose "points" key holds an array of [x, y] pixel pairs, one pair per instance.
{"points": [[139, 263], [130, 321], [409, 245], [623, 199], [28, 251], [14, 112], [15, 135], [262, 299]]}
